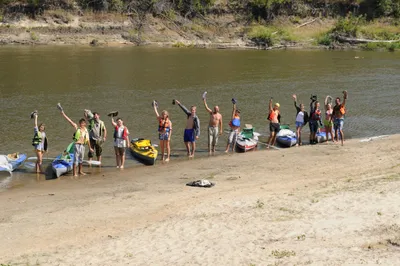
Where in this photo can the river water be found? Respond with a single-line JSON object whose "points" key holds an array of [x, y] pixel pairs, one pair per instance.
{"points": [[127, 79]]}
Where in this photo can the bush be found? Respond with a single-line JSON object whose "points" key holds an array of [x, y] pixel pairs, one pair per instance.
{"points": [[324, 39], [349, 25], [379, 45], [261, 35]]}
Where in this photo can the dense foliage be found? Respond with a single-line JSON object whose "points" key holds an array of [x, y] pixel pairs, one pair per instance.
{"points": [[256, 9]]}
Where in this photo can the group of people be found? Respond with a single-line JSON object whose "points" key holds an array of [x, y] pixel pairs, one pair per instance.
{"points": [[332, 121], [91, 131]]}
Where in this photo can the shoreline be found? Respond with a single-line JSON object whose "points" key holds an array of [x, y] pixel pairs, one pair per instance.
{"points": [[267, 204], [63, 29]]}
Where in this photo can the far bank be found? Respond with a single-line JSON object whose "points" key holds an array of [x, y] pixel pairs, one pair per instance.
{"points": [[226, 31]]}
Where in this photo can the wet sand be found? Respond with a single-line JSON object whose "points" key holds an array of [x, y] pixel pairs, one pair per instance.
{"points": [[312, 205]]}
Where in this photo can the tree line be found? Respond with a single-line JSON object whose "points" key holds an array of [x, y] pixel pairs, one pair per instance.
{"points": [[265, 10]]}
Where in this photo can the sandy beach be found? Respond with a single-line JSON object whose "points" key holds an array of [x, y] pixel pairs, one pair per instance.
{"points": [[313, 205]]}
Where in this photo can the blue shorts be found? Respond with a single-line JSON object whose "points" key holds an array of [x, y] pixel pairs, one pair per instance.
{"points": [[163, 136], [338, 124], [299, 124], [313, 126], [188, 135]]}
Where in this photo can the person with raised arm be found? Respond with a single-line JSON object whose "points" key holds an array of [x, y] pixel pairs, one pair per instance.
{"points": [[234, 124], [301, 119], [315, 120], [164, 131], [214, 126], [328, 124], [274, 124], [339, 110], [97, 133], [192, 129], [80, 138], [121, 141], [39, 142]]}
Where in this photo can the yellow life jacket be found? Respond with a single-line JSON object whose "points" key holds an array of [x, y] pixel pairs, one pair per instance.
{"points": [[37, 138], [77, 136]]}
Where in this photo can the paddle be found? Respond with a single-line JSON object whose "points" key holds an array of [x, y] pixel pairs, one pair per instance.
{"points": [[90, 162], [266, 144]]}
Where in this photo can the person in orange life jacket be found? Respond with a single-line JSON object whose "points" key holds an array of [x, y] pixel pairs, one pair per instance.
{"points": [[81, 138], [192, 130], [338, 113], [164, 131], [315, 119], [234, 124], [301, 119], [39, 141], [214, 126], [121, 141], [274, 125]]}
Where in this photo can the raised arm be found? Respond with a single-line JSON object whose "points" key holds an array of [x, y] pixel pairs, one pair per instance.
{"points": [[270, 105], [206, 106], [344, 97], [155, 109], [184, 109], [113, 122], [69, 120], [295, 102], [233, 111], [35, 120]]}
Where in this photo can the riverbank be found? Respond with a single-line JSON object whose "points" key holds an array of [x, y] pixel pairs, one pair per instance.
{"points": [[227, 31], [268, 207]]}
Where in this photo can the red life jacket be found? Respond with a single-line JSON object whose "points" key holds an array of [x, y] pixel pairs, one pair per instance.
{"points": [[124, 134]]}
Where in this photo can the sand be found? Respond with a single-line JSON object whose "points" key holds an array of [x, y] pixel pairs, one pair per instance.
{"points": [[312, 205]]}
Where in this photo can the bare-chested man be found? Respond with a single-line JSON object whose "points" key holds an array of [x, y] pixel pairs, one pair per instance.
{"points": [[192, 130], [214, 126]]}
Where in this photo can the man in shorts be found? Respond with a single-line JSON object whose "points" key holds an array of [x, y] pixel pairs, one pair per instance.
{"points": [[337, 116], [192, 130], [97, 133], [274, 124], [214, 126]]}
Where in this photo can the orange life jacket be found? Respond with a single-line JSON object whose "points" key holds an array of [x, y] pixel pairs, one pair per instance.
{"points": [[164, 124], [271, 116]]}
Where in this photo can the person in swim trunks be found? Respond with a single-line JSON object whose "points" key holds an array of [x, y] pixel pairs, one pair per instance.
{"points": [[164, 131], [337, 117], [214, 126], [234, 124], [274, 125], [328, 124], [192, 130]]}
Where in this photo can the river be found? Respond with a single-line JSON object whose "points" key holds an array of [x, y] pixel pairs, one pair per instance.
{"points": [[127, 79]]}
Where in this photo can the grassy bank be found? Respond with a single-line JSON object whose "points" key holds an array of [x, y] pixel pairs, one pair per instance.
{"points": [[207, 24]]}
